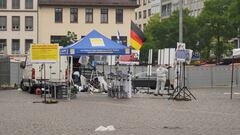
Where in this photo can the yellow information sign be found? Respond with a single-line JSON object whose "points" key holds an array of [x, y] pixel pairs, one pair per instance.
{"points": [[97, 42], [44, 53]]}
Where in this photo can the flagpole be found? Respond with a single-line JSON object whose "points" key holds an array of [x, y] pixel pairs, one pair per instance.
{"points": [[180, 21]]}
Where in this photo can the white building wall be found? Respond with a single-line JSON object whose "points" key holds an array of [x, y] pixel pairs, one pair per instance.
{"points": [[143, 21], [48, 27], [195, 6], [156, 6], [22, 35]]}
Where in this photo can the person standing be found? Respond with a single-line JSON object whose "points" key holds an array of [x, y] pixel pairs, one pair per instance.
{"points": [[161, 79]]}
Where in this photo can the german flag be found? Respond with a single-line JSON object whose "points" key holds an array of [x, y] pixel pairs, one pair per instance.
{"points": [[136, 37]]}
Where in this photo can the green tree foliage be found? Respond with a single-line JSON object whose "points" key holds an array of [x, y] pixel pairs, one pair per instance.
{"points": [[70, 38], [164, 34], [148, 32], [234, 16], [218, 22], [215, 28]]}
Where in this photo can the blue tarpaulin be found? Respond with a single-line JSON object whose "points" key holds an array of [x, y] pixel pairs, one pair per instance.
{"points": [[95, 44]]}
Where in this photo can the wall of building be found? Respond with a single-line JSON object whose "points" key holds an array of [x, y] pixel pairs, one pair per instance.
{"points": [[143, 7], [22, 34], [48, 27], [156, 6], [195, 7]]}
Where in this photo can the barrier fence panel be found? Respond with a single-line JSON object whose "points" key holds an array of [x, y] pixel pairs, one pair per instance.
{"points": [[222, 76], [15, 73], [4, 71], [196, 76]]}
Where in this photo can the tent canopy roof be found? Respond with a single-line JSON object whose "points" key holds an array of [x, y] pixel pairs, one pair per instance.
{"points": [[236, 52], [95, 44]]}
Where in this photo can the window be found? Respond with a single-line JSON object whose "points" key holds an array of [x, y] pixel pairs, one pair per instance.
{"points": [[58, 15], [29, 23], [139, 14], [16, 23], [144, 26], [28, 43], [119, 15], [83, 36], [144, 14], [57, 39], [3, 44], [3, 23], [135, 15], [149, 12], [144, 2], [140, 26], [29, 4], [73, 15], [89, 15], [123, 39], [15, 46], [104, 15], [3, 4], [166, 10], [15, 4]]}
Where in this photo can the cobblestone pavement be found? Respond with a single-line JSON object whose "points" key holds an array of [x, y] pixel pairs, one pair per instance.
{"points": [[212, 114]]}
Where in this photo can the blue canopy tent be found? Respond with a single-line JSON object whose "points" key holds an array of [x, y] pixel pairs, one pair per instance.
{"points": [[95, 44]]}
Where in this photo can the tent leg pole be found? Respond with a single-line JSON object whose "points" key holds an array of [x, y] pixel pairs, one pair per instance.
{"points": [[70, 76], [232, 77]]}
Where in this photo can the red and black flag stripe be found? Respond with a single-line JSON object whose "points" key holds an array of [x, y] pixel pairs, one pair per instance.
{"points": [[136, 37]]}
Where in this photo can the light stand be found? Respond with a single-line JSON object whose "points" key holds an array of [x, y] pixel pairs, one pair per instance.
{"points": [[184, 93], [169, 85], [177, 87]]}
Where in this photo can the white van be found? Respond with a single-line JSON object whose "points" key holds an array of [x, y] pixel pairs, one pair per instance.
{"points": [[33, 74]]}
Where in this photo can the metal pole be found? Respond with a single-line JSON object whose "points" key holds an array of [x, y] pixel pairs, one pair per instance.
{"points": [[45, 95], [111, 64], [211, 77], [238, 42], [70, 77], [59, 66], [180, 21], [169, 70], [232, 77]]}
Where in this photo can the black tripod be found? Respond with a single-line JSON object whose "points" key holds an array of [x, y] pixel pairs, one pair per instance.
{"points": [[177, 87], [184, 93]]}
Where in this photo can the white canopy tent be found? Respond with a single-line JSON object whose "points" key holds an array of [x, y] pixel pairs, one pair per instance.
{"points": [[236, 52]]}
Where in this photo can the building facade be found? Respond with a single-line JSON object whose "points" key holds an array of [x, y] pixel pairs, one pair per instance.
{"points": [[166, 7], [108, 17], [156, 6], [195, 6], [143, 13], [18, 26]]}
